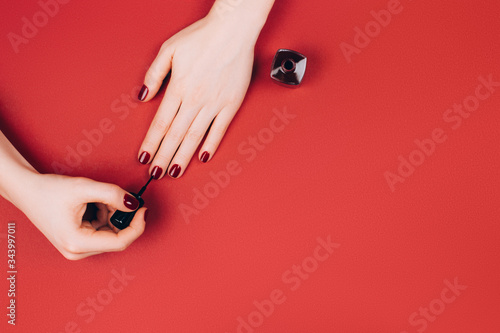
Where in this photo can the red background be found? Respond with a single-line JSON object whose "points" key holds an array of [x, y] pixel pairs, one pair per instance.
{"points": [[322, 175]]}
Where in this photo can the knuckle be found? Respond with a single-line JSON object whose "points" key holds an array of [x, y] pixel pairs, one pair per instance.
{"points": [[149, 145], [153, 74], [210, 146], [122, 246], [160, 125], [112, 188], [110, 191], [164, 46], [70, 256], [233, 102], [70, 248], [219, 131], [194, 135], [181, 84], [162, 158], [79, 181], [141, 229], [176, 135], [182, 157]]}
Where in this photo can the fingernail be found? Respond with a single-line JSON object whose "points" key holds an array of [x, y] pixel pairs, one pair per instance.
{"points": [[130, 202], [157, 171], [143, 93], [175, 170], [146, 214], [144, 158], [204, 157]]}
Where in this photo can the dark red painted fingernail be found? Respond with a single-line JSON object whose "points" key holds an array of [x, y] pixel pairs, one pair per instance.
{"points": [[157, 171], [146, 214], [130, 202], [204, 157], [175, 170], [143, 93], [144, 158]]}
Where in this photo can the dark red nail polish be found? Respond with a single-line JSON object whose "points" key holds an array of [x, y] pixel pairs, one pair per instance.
{"points": [[143, 93], [146, 214], [156, 173], [144, 158], [204, 157], [130, 202], [175, 170]]}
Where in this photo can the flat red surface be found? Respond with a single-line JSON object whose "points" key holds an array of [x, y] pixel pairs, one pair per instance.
{"points": [[322, 176]]}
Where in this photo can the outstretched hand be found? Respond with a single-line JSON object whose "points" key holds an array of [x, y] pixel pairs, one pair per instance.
{"points": [[211, 65]]}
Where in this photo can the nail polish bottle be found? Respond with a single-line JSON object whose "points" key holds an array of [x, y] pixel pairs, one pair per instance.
{"points": [[120, 219], [288, 67]]}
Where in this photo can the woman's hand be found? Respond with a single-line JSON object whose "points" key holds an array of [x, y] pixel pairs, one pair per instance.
{"points": [[211, 65], [56, 206]]}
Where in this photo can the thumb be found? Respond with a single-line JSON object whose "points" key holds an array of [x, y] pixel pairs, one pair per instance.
{"points": [[157, 72], [109, 194]]}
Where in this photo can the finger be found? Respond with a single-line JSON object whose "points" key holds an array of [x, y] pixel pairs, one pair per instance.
{"points": [[88, 225], [191, 141], [109, 224], [159, 126], [170, 144], [102, 216], [73, 256], [216, 133], [109, 194], [156, 73], [96, 224], [112, 227], [100, 225], [107, 240], [70, 255]]}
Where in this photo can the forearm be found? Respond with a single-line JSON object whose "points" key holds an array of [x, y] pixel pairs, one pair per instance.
{"points": [[15, 172], [248, 16]]}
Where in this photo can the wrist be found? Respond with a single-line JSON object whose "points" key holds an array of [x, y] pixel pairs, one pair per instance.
{"points": [[16, 174], [20, 182], [241, 17]]}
